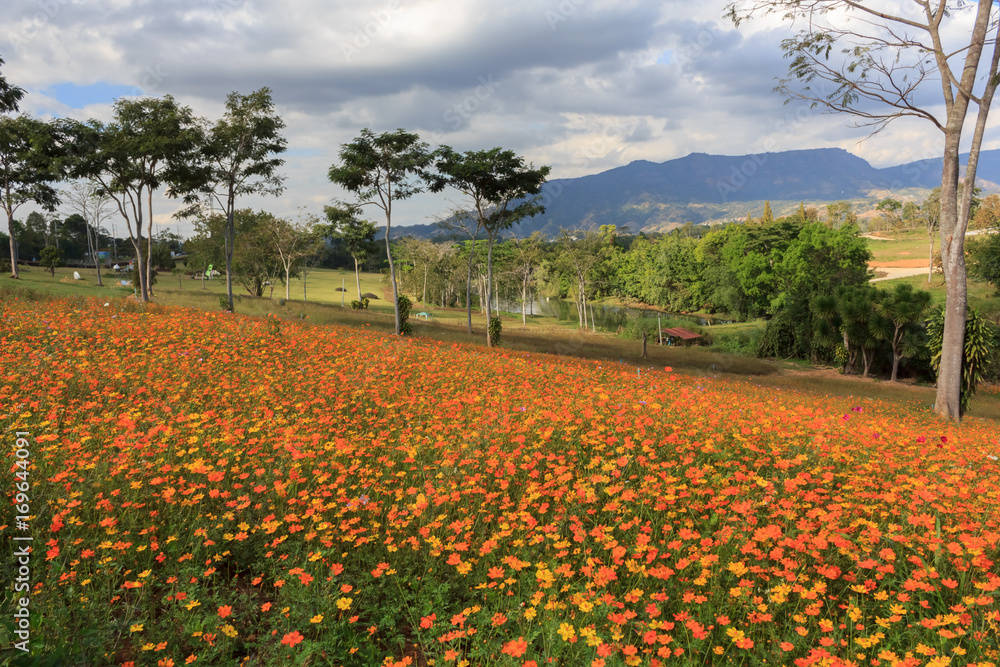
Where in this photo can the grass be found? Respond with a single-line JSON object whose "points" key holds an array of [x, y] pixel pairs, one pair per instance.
{"points": [[542, 335], [905, 244]]}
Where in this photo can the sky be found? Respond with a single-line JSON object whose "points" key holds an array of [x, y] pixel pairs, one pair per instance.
{"points": [[580, 85]]}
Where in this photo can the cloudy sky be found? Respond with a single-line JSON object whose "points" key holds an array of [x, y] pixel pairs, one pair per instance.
{"points": [[581, 85]]}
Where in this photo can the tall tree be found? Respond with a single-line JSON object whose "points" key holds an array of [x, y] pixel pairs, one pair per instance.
{"points": [[357, 235], [527, 255], [256, 262], [767, 217], [878, 76], [469, 223], [891, 210], [930, 212], [150, 143], [501, 189], [379, 170], [241, 155], [10, 95], [86, 199], [841, 213], [580, 256], [293, 241], [29, 166]]}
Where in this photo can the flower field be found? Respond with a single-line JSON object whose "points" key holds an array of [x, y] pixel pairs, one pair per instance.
{"points": [[220, 490]]}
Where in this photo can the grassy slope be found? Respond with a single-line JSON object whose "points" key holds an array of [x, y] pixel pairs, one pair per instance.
{"points": [[544, 335]]}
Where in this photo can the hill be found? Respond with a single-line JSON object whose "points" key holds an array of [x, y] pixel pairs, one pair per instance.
{"points": [[701, 188]]}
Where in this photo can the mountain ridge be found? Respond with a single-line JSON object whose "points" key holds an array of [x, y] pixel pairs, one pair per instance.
{"points": [[703, 188]]}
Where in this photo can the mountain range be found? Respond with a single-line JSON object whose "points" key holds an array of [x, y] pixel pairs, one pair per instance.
{"points": [[701, 188]]}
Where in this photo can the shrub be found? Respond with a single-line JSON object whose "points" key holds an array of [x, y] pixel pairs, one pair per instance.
{"points": [[496, 331], [404, 303], [359, 305]]}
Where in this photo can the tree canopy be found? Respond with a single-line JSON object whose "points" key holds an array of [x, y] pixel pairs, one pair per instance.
{"points": [[30, 164], [862, 59], [379, 170]]}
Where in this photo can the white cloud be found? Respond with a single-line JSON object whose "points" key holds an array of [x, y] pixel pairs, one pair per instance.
{"points": [[581, 85]]}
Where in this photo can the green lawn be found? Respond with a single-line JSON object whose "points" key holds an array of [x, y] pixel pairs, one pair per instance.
{"points": [[908, 244]]}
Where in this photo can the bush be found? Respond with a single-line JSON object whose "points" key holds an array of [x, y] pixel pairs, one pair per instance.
{"points": [[359, 305], [369, 295], [740, 341], [404, 303], [496, 331], [224, 302]]}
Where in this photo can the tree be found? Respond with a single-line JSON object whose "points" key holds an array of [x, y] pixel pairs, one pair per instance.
{"points": [[891, 210], [241, 159], [29, 165], [930, 211], [879, 77], [901, 310], [10, 95], [86, 199], [380, 170], [767, 217], [51, 257], [256, 263], [357, 235], [293, 242], [527, 253], [501, 189], [580, 256], [469, 223], [421, 254], [841, 213], [981, 341], [150, 143]]}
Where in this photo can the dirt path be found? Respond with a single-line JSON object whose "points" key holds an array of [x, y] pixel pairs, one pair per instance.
{"points": [[893, 272]]}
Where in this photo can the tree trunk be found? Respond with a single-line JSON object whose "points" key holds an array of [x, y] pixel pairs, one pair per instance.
{"points": [[867, 356], [230, 233], [13, 247], [288, 280], [139, 268], [94, 252], [392, 272], [897, 341], [949, 384], [930, 257], [424, 301], [489, 287], [524, 305], [149, 248], [954, 219], [357, 278], [644, 356], [468, 287]]}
